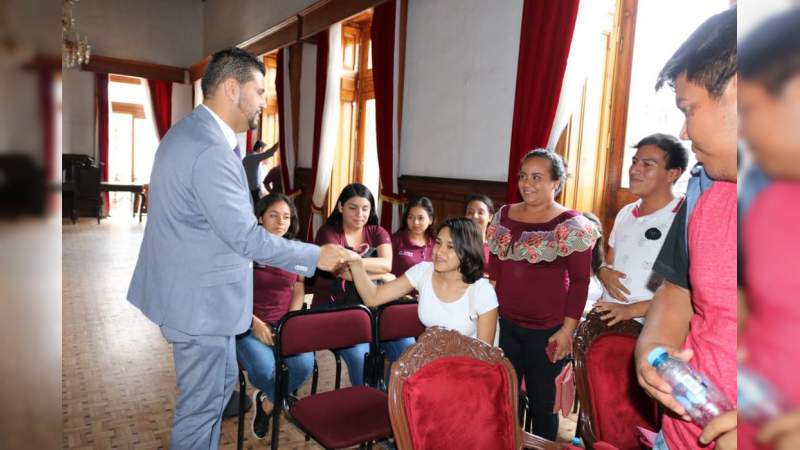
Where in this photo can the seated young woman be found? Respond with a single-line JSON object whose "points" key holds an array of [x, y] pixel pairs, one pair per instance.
{"points": [[275, 292], [452, 291], [412, 243], [480, 209], [354, 225]]}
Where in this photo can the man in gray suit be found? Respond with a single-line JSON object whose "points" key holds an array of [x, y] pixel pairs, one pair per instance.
{"points": [[194, 274]]}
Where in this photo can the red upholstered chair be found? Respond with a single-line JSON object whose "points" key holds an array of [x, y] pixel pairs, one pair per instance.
{"points": [[339, 418], [452, 391], [612, 403], [395, 320]]}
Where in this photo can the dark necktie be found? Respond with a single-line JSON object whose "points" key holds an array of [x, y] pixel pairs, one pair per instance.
{"points": [[237, 151]]}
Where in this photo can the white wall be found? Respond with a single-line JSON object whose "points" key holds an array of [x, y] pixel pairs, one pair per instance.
{"points": [[308, 90], [161, 32], [230, 22], [460, 75], [157, 31], [78, 128]]}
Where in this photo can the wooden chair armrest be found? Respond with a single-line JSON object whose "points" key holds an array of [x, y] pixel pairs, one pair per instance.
{"points": [[539, 443]]}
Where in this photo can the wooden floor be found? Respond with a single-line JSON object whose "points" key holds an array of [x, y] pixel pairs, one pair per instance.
{"points": [[118, 379]]}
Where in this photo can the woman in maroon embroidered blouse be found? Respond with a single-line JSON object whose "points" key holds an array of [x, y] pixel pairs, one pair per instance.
{"points": [[413, 242], [541, 265], [480, 209]]}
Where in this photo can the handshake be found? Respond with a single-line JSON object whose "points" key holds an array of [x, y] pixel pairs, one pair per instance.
{"points": [[333, 258]]}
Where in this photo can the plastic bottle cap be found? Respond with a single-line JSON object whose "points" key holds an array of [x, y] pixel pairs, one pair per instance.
{"points": [[657, 356]]}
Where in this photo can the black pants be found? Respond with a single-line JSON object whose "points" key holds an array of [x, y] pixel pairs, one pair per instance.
{"points": [[525, 348]]}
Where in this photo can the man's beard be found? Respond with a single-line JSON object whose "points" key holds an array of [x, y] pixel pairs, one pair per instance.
{"points": [[252, 123]]}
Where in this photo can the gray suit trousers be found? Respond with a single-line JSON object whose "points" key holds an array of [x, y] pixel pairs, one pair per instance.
{"points": [[206, 370]]}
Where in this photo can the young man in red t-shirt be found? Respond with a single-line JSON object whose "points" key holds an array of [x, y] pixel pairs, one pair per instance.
{"points": [[693, 313]]}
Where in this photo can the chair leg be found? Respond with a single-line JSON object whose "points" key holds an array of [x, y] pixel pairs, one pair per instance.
{"points": [[338, 382], [242, 395]]}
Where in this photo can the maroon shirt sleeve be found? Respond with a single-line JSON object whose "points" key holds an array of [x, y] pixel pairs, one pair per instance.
{"points": [[327, 235], [579, 270], [378, 236]]}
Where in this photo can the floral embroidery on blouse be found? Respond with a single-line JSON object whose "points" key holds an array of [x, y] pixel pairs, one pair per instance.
{"points": [[575, 234]]}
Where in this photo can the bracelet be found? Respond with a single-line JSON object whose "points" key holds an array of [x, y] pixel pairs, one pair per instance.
{"points": [[605, 266]]}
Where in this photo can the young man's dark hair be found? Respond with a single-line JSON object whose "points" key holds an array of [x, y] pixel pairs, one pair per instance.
{"points": [[708, 57], [677, 155], [258, 146], [232, 62], [770, 55]]}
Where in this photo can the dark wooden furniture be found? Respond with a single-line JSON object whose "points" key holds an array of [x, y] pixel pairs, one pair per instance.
{"points": [[86, 192], [138, 191], [437, 343], [22, 187], [607, 389]]}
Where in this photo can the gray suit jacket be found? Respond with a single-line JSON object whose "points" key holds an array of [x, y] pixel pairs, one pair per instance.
{"points": [[194, 272]]}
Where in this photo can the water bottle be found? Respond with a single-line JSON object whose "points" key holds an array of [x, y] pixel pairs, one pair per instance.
{"points": [[702, 400], [758, 401]]}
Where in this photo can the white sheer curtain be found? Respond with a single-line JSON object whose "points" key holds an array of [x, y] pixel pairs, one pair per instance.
{"points": [[585, 55], [288, 155], [330, 125]]}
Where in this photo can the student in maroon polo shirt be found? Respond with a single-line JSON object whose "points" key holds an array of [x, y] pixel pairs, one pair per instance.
{"points": [[413, 242], [275, 292], [480, 209]]}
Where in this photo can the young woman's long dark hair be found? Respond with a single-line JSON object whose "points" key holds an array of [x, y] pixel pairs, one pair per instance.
{"points": [[424, 203], [598, 251], [350, 191], [270, 199], [468, 244]]}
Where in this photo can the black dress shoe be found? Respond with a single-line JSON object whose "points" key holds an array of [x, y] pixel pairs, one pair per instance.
{"points": [[260, 424], [232, 408]]}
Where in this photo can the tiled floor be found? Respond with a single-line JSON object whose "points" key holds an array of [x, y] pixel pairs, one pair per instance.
{"points": [[118, 379]]}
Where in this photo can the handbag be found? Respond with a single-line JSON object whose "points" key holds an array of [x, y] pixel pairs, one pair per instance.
{"points": [[565, 389]]}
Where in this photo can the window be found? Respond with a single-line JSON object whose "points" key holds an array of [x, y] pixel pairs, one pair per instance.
{"points": [[132, 137], [356, 155], [269, 128], [661, 27]]}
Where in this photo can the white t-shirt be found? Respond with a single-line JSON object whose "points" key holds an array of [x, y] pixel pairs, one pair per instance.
{"points": [[452, 315], [634, 252]]}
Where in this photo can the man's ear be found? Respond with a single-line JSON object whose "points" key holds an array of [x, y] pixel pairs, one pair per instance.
{"points": [[231, 89], [674, 174]]}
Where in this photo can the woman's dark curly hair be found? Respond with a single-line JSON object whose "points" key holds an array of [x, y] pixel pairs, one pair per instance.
{"points": [[270, 199], [468, 244]]}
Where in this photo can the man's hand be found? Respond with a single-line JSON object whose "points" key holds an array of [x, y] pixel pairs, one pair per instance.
{"points": [[612, 281], [722, 430], [783, 432], [262, 331], [655, 386], [331, 257], [614, 313]]}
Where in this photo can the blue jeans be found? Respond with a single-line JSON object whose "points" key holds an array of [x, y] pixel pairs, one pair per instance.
{"points": [[394, 349], [258, 359], [660, 443], [354, 358]]}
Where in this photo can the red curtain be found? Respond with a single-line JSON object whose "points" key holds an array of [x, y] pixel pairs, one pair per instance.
{"points": [[545, 38], [383, 53], [161, 96], [319, 107], [249, 143], [101, 106], [46, 115]]}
